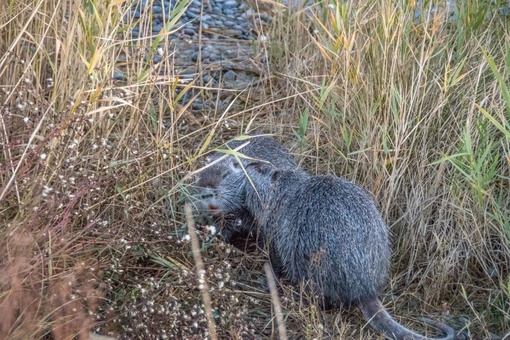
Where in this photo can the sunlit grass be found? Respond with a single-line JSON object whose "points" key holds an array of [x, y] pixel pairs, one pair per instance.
{"points": [[93, 170]]}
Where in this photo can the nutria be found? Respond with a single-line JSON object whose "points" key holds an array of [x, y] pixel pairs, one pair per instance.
{"points": [[238, 224], [321, 231]]}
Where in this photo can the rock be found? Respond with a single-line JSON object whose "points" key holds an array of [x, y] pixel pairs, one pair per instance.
{"points": [[156, 28], [94, 336], [118, 75], [197, 105], [220, 20], [230, 54], [265, 17], [188, 30], [231, 3], [229, 75], [195, 10], [135, 14], [203, 55], [157, 59]]}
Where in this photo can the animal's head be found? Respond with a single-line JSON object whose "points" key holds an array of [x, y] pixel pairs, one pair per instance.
{"points": [[219, 187], [222, 185]]}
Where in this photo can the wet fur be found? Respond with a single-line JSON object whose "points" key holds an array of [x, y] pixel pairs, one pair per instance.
{"points": [[321, 231], [222, 185], [327, 233]]}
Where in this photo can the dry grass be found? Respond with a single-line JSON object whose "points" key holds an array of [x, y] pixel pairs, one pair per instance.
{"points": [[93, 171]]}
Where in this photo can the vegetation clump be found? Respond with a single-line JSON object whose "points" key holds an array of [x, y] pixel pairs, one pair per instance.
{"points": [[94, 170]]}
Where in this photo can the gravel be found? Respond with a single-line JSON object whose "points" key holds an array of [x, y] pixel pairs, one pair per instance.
{"points": [[227, 28], [216, 15], [229, 19]]}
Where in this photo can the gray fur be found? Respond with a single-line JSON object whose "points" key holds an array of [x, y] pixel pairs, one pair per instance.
{"points": [[326, 233], [321, 231], [220, 188]]}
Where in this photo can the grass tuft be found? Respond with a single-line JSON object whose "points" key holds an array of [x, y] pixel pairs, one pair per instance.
{"points": [[98, 141]]}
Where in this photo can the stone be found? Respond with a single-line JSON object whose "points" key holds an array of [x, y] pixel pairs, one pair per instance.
{"points": [[135, 14], [157, 59], [218, 19], [197, 105], [203, 55], [188, 30], [232, 3], [229, 75], [118, 75], [156, 28]]}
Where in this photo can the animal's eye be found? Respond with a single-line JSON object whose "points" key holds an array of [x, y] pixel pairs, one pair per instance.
{"points": [[275, 176], [224, 176], [236, 165]]}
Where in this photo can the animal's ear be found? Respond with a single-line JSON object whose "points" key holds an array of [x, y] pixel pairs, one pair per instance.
{"points": [[235, 166], [276, 174], [260, 167]]}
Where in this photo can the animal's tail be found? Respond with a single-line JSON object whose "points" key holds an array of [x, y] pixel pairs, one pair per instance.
{"points": [[380, 320]]}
